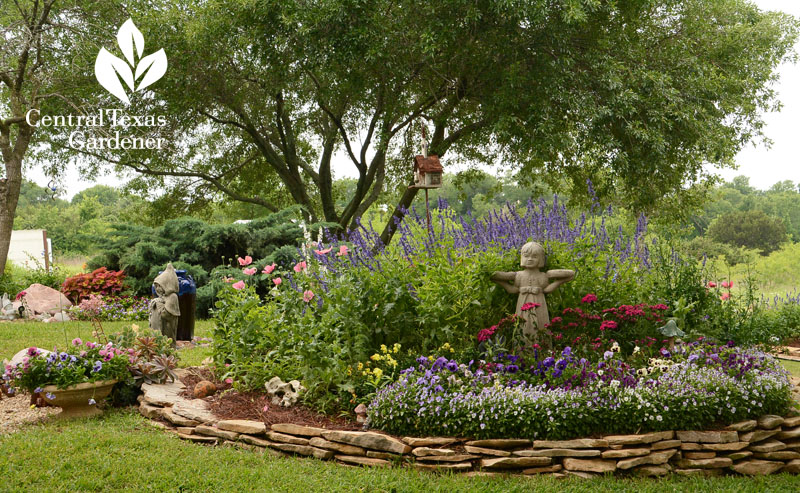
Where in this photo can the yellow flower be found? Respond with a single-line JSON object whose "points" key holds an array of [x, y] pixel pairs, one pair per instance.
{"points": [[391, 361], [349, 370], [378, 373], [430, 358], [376, 357], [360, 366], [364, 373], [396, 348], [384, 349]]}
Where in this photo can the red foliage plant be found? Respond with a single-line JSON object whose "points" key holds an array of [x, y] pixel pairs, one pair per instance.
{"points": [[100, 281]]}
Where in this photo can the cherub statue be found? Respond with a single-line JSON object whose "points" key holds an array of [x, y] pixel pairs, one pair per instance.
{"points": [[164, 310], [532, 285]]}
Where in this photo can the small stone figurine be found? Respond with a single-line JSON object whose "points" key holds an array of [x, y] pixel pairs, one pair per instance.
{"points": [[532, 285], [164, 310]]}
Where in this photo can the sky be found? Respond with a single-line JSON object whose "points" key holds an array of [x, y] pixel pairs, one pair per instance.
{"points": [[764, 166]]}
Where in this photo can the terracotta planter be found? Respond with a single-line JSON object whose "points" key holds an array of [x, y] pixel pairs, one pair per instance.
{"points": [[74, 400]]}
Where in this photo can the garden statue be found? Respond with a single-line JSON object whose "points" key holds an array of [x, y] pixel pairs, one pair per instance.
{"points": [[164, 310], [7, 310], [532, 285]]}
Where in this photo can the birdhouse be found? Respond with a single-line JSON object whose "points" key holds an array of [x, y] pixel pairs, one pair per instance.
{"points": [[427, 172]]}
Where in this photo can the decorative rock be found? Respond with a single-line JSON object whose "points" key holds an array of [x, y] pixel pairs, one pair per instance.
{"points": [[204, 388], [368, 440], [665, 445], [725, 447], [258, 442], [361, 413], [590, 465], [780, 455], [486, 451], [283, 438], [198, 438], [186, 430], [160, 425], [215, 432], [291, 429], [698, 472], [303, 450], [176, 419], [708, 436], [557, 452], [515, 462], [243, 426], [788, 434], [164, 395], [757, 467], [284, 393], [504, 444], [792, 467], [543, 470], [448, 458], [691, 446], [363, 461], [196, 409], [768, 446], [625, 453], [770, 421], [427, 451], [739, 455], [44, 299], [699, 455], [579, 443], [150, 411], [581, 474], [757, 436], [654, 459], [743, 426], [715, 463], [639, 439], [377, 455], [342, 448], [791, 422], [429, 442], [652, 471], [461, 466]]}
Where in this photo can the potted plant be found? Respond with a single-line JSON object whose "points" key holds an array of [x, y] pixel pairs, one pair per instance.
{"points": [[75, 379]]}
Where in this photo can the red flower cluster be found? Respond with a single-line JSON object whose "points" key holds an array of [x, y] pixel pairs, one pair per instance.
{"points": [[589, 298], [529, 306], [486, 334], [608, 324]]}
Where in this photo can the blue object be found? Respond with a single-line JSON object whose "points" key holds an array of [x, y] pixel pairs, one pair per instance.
{"points": [[186, 284]]}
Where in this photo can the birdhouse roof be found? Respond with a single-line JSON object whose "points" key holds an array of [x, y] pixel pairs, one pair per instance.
{"points": [[430, 164]]}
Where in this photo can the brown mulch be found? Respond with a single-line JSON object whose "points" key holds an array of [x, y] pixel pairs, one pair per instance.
{"points": [[227, 403]]}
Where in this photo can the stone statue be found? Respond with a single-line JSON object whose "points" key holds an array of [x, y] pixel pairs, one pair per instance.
{"points": [[532, 285], [164, 310]]}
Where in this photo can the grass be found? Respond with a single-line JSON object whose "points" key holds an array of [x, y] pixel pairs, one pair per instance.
{"points": [[19, 335], [792, 366], [121, 452]]}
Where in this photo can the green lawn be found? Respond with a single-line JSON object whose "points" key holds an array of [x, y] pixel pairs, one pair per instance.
{"points": [[19, 335], [121, 452], [792, 366]]}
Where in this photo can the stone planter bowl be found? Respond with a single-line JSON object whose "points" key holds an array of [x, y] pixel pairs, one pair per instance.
{"points": [[74, 400]]}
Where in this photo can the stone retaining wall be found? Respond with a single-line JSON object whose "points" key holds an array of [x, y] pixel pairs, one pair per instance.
{"points": [[768, 445]]}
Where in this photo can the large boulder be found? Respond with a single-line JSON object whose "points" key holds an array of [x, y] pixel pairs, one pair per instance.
{"points": [[43, 299], [22, 354]]}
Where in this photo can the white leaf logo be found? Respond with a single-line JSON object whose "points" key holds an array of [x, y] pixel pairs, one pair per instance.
{"points": [[109, 69]]}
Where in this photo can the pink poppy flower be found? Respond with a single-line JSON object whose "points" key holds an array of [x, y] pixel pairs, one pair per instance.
{"points": [[300, 266], [727, 284], [269, 268], [712, 284], [77, 341], [725, 296], [343, 250], [323, 252], [245, 261], [308, 295], [277, 281], [249, 271], [229, 380], [238, 285]]}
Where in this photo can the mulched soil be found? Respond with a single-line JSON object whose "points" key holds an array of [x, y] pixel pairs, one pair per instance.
{"points": [[228, 403]]}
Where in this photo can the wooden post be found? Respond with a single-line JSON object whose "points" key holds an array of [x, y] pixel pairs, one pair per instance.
{"points": [[46, 251]]}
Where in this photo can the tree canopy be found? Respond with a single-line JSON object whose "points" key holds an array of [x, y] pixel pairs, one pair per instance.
{"points": [[637, 95]]}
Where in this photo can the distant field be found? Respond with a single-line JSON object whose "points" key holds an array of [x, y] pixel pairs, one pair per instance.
{"points": [[776, 274]]}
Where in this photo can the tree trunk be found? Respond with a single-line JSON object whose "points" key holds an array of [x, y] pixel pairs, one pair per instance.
{"points": [[398, 214], [9, 196]]}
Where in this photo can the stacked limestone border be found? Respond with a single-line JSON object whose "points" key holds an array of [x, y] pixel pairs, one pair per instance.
{"points": [[765, 446]]}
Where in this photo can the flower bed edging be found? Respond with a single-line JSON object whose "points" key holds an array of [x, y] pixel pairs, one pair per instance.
{"points": [[768, 445]]}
